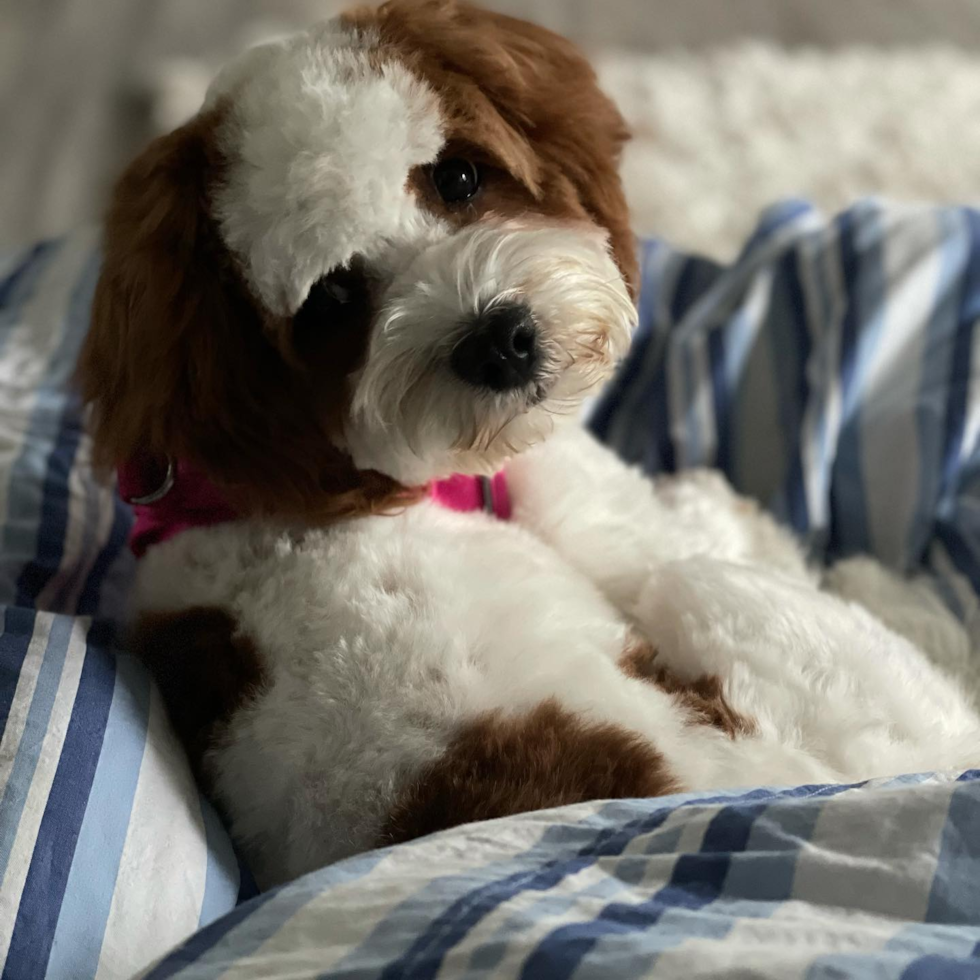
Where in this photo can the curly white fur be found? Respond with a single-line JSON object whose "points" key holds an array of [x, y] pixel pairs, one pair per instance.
{"points": [[306, 187], [412, 419]]}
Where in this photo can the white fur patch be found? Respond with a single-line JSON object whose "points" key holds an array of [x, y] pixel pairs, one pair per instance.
{"points": [[413, 419], [320, 139]]}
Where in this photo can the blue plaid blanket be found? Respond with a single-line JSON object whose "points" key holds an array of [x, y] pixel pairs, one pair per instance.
{"points": [[873, 881]]}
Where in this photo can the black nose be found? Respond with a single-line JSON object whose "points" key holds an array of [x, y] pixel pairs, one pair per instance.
{"points": [[500, 349]]}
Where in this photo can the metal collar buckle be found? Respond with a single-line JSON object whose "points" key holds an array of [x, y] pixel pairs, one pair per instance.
{"points": [[161, 491]]}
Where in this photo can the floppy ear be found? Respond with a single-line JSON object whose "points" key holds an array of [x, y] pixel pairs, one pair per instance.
{"points": [[182, 361], [158, 365]]}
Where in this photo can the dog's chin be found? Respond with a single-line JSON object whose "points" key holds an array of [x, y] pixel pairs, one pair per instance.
{"points": [[459, 433]]}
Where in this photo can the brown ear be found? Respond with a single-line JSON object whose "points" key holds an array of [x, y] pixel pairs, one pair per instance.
{"points": [[163, 305], [577, 128], [181, 361]]}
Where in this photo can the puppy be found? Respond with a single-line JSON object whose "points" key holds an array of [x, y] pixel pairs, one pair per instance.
{"points": [[347, 317]]}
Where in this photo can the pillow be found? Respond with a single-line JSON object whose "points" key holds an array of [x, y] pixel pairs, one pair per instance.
{"points": [[108, 853], [830, 373]]}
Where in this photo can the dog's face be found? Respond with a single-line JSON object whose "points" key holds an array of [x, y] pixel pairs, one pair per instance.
{"points": [[388, 249]]}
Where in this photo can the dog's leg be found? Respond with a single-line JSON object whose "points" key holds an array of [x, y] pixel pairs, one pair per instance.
{"points": [[912, 609], [811, 671], [616, 525]]}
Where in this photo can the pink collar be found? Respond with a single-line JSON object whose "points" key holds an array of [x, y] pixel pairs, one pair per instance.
{"points": [[168, 501], [469, 493]]}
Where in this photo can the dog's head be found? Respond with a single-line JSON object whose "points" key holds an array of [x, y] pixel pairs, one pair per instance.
{"points": [[387, 249]]}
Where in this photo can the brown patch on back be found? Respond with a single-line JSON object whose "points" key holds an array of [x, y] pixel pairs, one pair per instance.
{"points": [[497, 766], [527, 99], [703, 698], [182, 361], [205, 669]]}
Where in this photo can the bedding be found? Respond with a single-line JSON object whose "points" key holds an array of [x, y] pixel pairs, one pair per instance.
{"points": [[829, 372], [108, 853], [873, 881]]}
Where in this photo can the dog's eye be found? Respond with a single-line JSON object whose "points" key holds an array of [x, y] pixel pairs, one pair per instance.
{"points": [[456, 180]]}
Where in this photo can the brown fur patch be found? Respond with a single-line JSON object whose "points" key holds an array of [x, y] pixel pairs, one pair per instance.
{"points": [[205, 670], [181, 361], [497, 766], [703, 698], [523, 100]]}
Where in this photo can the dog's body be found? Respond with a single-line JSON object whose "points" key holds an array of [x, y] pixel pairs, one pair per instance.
{"points": [[314, 297], [616, 639]]}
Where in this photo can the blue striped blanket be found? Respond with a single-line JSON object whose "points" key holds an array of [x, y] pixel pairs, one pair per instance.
{"points": [[108, 853], [829, 371], [832, 372]]}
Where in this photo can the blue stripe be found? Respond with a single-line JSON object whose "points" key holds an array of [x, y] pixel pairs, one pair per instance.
{"points": [[931, 399], [697, 276], [791, 353], [17, 287], [242, 931], [623, 382], [664, 459], [828, 259], [961, 361], [641, 429], [860, 245], [695, 279], [963, 552], [221, 880], [734, 354], [92, 879], [47, 876], [643, 434], [35, 728], [205, 940], [18, 629], [955, 895], [721, 395], [109, 554], [52, 521], [247, 888], [771, 222], [697, 880]]}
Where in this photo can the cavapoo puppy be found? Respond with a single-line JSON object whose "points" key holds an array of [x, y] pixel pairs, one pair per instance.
{"points": [[346, 319]]}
